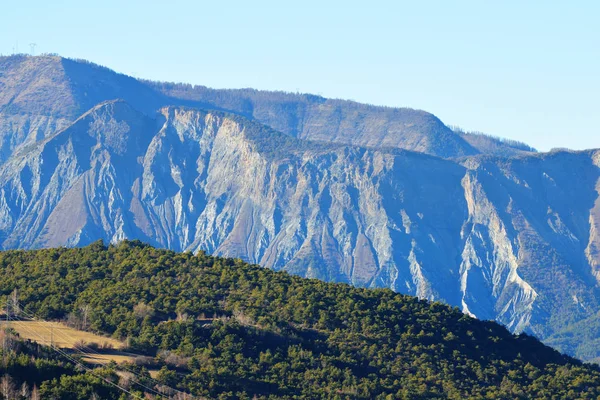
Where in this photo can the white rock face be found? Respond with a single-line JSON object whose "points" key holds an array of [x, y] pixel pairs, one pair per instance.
{"points": [[489, 264], [515, 240]]}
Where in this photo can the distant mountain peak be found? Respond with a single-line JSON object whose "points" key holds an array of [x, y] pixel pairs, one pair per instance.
{"points": [[59, 87], [329, 189]]}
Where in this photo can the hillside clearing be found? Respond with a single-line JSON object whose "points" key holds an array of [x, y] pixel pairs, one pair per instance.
{"points": [[47, 333]]}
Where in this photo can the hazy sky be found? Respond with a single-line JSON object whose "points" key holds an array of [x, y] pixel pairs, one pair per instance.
{"points": [[527, 70]]}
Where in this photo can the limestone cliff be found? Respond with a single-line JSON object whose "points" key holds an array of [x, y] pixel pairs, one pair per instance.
{"points": [[513, 238]]}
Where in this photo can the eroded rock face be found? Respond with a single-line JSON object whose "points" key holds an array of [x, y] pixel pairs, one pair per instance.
{"points": [[490, 235], [515, 239]]}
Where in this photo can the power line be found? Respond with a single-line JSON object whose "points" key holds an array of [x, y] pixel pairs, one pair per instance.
{"points": [[90, 370], [89, 355], [31, 316]]}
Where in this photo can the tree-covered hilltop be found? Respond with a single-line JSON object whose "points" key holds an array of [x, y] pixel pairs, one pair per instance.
{"points": [[221, 328], [321, 188]]}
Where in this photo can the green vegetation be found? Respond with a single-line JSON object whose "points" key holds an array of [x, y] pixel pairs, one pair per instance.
{"points": [[220, 328], [490, 144], [29, 371], [581, 339]]}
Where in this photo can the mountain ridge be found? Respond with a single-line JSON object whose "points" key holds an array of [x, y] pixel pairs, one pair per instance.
{"points": [[304, 116], [513, 238]]}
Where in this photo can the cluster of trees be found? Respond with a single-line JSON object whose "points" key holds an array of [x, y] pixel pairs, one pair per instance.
{"points": [[221, 328], [484, 140], [33, 372], [581, 339]]}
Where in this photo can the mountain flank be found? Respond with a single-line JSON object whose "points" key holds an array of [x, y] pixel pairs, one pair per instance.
{"points": [[320, 188], [47, 86], [221, 328]]}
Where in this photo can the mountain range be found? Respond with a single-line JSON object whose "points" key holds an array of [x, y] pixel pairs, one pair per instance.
{"points": [[328, 189]]}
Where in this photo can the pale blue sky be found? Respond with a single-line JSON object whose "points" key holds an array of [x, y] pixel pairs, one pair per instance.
{"points": [[526, 70]]}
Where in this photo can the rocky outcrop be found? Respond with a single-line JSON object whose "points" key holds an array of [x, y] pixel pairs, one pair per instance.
{"points": [[515, 239], [490, 235]]}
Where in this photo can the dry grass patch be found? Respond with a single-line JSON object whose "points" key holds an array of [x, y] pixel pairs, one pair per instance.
{"points": [[117, 357], [60, 335]]}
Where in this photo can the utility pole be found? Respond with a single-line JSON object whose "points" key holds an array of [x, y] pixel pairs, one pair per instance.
{"points": [[7, 314], [15, 302], [12, 305], [5, 335], [32, 46]]}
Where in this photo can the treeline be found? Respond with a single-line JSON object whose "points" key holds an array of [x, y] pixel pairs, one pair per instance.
{"points": [[479, 139], [220, 328]]}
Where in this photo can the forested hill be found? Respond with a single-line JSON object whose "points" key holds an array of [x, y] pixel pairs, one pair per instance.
{"points": [[321, 188], [221, 328]]}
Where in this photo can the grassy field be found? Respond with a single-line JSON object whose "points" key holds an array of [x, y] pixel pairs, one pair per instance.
{"points": [[106, 357], [60, 335]]}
